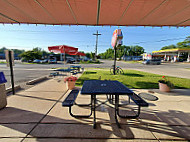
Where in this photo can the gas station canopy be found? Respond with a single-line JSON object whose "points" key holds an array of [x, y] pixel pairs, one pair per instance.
{"points": [[96, 12], [63, 49]]}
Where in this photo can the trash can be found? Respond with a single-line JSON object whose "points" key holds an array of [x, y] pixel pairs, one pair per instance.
{"points": [[3, 95]]}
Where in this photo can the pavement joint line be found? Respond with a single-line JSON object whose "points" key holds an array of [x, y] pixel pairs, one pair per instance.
{"points": [[152, 133], [10, 137], [102, 123], [160, 139], [91, 138], [36, 97], [45, 91], [94, 138], [19, 123], [44, 116]]}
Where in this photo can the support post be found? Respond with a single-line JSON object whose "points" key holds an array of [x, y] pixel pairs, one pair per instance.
{"points": [[178, 54], [64, 57], [61, 57], [114, 66], [11, 70], [188, 57]]}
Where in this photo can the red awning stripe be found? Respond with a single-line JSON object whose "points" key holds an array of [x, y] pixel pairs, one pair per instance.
{"points": [[79, 53], [63, 49], [97, 12]]}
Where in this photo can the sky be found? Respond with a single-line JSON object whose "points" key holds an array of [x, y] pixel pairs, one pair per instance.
{"points": [[30, 36]]}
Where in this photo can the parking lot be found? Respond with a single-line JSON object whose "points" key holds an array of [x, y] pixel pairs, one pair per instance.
{"points": [[26, 72]]}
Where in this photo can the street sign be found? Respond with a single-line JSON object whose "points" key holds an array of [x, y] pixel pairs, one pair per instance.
{"points": [[9, 54], [117, 38], [7, 57], [116, 42]]}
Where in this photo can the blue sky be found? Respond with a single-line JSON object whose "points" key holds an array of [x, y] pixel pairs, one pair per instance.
{"points": [[29, 36]]}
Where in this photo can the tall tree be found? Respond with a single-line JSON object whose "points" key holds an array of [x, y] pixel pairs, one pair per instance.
{"points": [[36, 53], [123, 50], [2, 49], [169, 47]]}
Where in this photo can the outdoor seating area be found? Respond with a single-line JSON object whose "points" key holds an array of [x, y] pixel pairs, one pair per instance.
{"points": [[65, 73], [72, 70], [37, 114]]}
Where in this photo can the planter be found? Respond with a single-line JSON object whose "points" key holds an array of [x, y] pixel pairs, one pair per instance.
{"points": [[70, 85], [164, 87]]}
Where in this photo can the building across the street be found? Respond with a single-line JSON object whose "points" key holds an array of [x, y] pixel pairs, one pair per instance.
{"points": [[174, 55]]}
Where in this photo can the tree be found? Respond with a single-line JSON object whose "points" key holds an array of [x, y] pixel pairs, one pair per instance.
{"points": [[2, 50], [182, 44], [88, 55], [169, 47], [36, 53], [137, 50], [92, 55], [123, 50], [45, 54], [17, 51]]}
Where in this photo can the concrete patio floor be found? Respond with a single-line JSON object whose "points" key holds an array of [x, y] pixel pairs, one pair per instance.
{"points": [[36, 115]]}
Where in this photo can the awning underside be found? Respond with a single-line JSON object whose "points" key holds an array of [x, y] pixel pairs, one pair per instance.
{"points": [[97, 12]]}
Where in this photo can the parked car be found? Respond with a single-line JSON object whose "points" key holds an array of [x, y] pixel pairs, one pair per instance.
{"points": [[79, 59], [70, 60], [152, 62], [37, 61], [24, 60], [52, 61], [30, 61], [87, 59], [44, 61]]}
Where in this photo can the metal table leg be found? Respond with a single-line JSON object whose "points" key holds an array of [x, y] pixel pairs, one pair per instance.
{"points": [[116, 109], [94, 109]]}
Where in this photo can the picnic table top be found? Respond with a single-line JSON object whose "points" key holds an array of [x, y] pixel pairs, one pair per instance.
{"points": [[99, 87]]}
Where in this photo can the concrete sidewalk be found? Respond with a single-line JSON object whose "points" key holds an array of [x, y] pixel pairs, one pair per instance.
{"points": [[37, 114]]}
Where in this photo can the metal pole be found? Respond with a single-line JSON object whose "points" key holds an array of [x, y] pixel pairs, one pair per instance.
{"points": [[12, 75], [64, 57], [96, 47], [114, 60]]}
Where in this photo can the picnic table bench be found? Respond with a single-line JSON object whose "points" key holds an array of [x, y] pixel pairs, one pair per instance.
{"points": [[70, 101], [69, 70], [138, 101]]}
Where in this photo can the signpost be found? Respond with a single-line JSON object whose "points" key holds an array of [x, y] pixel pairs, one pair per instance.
{"points": [[116, 42], [10, 63]]}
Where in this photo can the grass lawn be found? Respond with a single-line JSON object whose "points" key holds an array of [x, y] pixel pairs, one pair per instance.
{"points": [[2, 62], [133, 79], [133, 62], [90, 62]]}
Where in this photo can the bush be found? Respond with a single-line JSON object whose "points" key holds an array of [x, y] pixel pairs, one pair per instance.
{"points": [[97, 61]]}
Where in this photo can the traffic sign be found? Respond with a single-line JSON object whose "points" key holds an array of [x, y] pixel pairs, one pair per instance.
{"points": [[7, 57]]}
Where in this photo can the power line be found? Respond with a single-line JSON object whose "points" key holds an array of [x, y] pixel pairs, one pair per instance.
{"points": [[171, 39]]}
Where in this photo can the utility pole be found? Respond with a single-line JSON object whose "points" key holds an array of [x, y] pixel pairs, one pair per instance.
{"points": [[97, 34]]}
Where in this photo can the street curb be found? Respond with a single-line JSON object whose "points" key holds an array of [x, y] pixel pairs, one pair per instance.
{"points": [[17, 87], [32, 82]]}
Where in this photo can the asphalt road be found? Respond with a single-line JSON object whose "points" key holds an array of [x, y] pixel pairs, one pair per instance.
{"points": [[26, 72]]}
